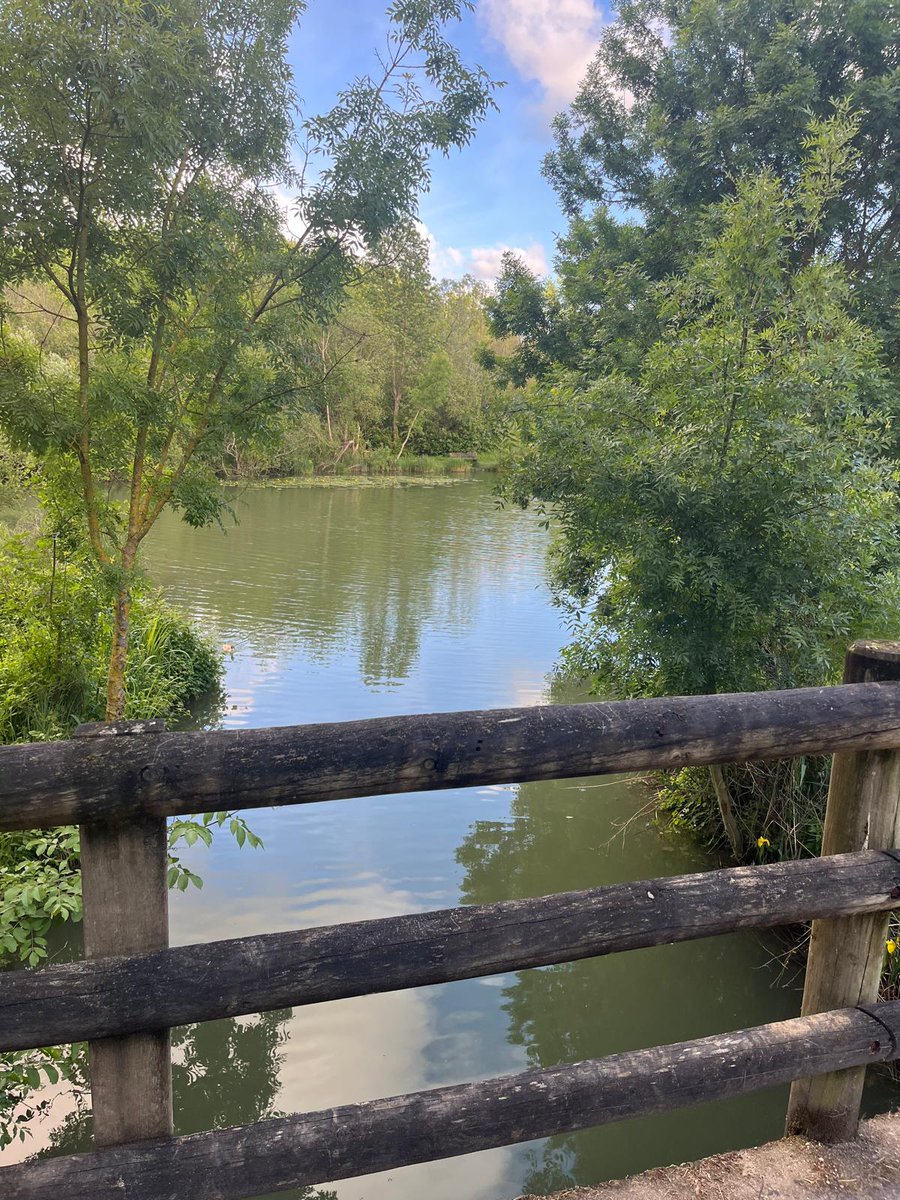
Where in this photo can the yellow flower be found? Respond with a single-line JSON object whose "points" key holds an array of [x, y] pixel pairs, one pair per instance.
{"points": [[891, 946], [763, 841]]}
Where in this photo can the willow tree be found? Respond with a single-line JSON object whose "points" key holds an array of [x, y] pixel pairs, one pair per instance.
{"points": [[145, 153]]}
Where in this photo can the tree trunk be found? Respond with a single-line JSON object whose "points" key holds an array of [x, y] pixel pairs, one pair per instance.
{"points": [[395, 414], [408, 434], [395, 420], [726, 810], [115, 684]]}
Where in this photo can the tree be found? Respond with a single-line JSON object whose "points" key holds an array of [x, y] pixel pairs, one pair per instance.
{"points": [[139, 146], [464, 332], [728, 518], [401, 303], [687, 96], [399, 362], [526, 311]]}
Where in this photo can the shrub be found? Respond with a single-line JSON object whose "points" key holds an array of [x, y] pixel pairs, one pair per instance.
{"points": [[55, 629]]}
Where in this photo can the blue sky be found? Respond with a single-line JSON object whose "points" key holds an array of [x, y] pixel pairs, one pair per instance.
{"points": [[490, 196]]}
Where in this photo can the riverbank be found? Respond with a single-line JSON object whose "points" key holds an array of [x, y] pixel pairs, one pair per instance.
{"points": [[378, 465], [356, 482], [790, 1169]]}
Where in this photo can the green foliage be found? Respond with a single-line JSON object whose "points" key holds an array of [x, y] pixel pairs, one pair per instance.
{"points": [[139, 145], [25, 1073], [687, 96], [684, 98], [394, 376], [779, 806], [54, 632], [39, 883], [55, 629], [728, 518], [526, 312], [191, 830]]}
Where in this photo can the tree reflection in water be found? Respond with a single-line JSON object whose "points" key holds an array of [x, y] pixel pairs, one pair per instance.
{"points": [[224, 1073], [601, 1006]]}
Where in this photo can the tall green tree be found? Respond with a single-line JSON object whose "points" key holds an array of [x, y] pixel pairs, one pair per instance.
{"points": [[524, 310], [401, 300], [683, 98], [728, 516], [139, 147], [727, 504]]}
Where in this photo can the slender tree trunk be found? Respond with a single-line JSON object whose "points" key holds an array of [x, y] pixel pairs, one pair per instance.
{"points": [[395, 414], [115, 684], [408, 434], [726, 811], [118, 652], [395, 421]]}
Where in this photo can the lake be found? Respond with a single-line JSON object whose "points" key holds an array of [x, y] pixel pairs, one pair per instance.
{"points": [[355, 601]]}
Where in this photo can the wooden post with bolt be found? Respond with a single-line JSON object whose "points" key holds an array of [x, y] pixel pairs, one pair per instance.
{"points": [[126, 911], [846, 954]]}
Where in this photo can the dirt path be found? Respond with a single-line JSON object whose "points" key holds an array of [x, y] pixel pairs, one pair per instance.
{"points": [[792, 1169]]}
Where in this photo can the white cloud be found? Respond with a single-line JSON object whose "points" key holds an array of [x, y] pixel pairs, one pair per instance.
{"points": [[548, 41], [485, 261]]}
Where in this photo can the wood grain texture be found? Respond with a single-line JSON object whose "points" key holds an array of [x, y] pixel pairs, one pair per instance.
{"points": [[126, 911], [846, 955], [114, 996], [316, 1148], [97, 778]]}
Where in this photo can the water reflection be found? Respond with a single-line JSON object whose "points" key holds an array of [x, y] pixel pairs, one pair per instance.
{"points": [[568, 835], [223, 1073], [227, 1072], [352, 586], [346, 603]]}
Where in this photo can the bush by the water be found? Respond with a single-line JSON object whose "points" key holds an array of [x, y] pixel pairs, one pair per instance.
{"points": [[779, 806], [55, 632]]}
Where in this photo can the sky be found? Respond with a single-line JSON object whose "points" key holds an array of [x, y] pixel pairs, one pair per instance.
{"points": [[490, 196]]}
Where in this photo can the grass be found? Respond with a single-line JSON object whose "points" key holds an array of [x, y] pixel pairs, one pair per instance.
{"points": [[781, 808], [349, 481], [380, 464]]}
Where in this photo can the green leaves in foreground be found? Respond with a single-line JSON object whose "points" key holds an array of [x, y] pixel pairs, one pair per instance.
{"points": [[191, 830], [40, 884], [25, 1073]]}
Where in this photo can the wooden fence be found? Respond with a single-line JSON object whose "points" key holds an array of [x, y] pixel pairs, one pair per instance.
{"points": [[120, 782]]}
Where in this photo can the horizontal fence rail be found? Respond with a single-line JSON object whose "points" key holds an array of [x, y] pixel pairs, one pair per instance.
{"points": [[102, 779], [120, 782], [107, 997], [315, 1148]]}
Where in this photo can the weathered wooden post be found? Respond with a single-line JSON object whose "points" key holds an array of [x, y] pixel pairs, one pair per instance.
{"points": [[846, 954], [126, 911]]}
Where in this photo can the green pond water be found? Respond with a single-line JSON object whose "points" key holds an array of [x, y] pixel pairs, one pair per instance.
{"points": [[367, 601]]}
